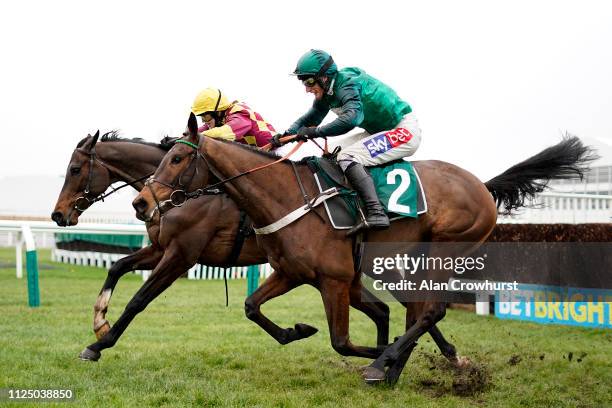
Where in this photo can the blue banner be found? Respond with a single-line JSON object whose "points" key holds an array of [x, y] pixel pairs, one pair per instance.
{"points": [[555, 305]]}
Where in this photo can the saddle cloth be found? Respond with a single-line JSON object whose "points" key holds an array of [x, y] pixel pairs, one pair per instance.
{"points": [[398, 186]]}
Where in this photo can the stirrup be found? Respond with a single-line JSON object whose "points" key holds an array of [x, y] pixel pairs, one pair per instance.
{"points": [[364, 225]]}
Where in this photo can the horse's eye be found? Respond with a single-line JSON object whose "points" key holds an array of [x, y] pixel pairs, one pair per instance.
{"points": [[75, 170], [176, 159]]}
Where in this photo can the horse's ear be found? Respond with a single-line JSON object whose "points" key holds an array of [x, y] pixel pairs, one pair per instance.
{"points": [[95, 139], [192, 124]]}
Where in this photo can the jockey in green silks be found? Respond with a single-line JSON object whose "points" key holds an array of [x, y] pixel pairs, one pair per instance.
{"points": [[391, 130]]}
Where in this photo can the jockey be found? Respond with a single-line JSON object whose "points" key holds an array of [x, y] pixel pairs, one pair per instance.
{"points": [[230, 121], [391, 130]]}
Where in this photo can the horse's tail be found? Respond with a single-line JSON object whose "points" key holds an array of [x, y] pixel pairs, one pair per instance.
{"points": [[567, 159]]}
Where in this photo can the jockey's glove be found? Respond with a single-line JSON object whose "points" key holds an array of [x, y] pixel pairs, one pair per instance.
{"points": [[306, 133], [275, 141]]}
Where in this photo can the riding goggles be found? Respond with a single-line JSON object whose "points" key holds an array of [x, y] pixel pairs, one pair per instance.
{"points": [[309, 82]]}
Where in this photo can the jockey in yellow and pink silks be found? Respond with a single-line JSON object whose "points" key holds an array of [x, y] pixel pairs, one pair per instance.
{"points": [[230, 121]]}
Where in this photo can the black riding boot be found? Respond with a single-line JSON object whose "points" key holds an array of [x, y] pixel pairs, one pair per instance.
{"points": [[362, 183]]}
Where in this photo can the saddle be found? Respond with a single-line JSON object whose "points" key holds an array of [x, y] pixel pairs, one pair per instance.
{"points": [[398, 186]]}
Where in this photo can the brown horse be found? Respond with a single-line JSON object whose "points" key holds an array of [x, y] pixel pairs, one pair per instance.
{"points": [[308, 251], [204, 231]]}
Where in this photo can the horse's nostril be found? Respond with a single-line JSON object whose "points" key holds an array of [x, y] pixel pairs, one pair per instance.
{"points": [[58, 217], [140, 205]]}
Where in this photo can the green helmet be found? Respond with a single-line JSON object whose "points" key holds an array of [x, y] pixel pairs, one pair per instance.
{"points": [[316, 63]]}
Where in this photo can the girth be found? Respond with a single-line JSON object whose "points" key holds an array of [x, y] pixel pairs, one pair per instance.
{"points": [[244, 230]]}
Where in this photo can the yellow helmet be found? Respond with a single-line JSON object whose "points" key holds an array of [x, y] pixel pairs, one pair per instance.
{"points": [[210, 100]]}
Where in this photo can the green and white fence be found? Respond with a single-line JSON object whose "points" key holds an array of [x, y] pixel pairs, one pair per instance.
{"points": [[23, 234], [24, 231]]}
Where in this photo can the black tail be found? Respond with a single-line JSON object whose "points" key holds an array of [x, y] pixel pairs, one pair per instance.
{"points": [[567, 159]]}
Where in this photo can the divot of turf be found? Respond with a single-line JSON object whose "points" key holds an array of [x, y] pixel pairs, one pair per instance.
{"points": [[448, 378]]}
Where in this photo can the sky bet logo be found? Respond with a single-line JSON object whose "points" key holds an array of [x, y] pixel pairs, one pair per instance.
{"points": [[387, 141]]}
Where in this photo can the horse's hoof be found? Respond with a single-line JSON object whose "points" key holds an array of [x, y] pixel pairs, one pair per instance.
{"points": [[372, 375], [89, 355], [102, 330], [305, 330]]}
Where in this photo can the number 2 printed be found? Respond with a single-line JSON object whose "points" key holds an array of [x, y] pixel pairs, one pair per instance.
{"points": [[394, 206]]}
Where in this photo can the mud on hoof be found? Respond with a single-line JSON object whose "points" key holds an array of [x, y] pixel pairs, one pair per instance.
{"points": [[89, 355]]}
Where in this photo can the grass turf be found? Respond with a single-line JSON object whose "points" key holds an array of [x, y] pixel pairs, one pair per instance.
{"points": [[188, 349]]}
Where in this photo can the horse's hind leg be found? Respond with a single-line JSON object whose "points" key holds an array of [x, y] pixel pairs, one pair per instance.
{"points": [[166, 272], [371, 306], [412, 311], [394, 355], [145, 258], [448, 350], [336, 296], [275, 285], [421, 317]]}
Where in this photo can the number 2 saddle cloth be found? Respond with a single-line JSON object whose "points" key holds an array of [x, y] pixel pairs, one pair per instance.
{"points": [[398, 186]]}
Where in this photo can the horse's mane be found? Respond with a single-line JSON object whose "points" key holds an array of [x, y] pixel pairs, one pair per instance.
{"points": [[114, 136]]}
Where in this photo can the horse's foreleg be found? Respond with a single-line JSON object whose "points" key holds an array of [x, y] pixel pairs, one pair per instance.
{"points": [[336, 299], [275, 285], [145, 258], [166, 272], [364, 301]]}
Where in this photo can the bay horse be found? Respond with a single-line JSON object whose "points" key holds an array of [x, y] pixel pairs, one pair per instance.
{"points": [[460, 209], [203, 230]]}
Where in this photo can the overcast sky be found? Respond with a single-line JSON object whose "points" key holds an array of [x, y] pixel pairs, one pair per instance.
{"points": [[491, 82]]}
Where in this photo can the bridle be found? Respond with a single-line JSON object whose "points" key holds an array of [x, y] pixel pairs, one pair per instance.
{"points": [[179, 197], [85, 201]]}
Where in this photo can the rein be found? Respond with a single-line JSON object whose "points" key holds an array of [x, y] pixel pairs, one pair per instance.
{"points": [[285, 157], [178, 197], [309, 204]]}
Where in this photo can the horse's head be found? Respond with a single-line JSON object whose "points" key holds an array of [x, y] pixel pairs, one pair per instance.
{"points": [[182, 170], [85, 179]]}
